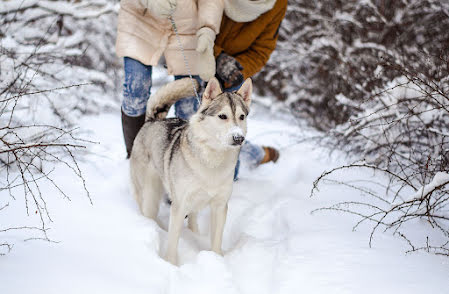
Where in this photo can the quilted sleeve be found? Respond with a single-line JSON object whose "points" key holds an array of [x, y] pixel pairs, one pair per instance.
{"points": [[210, 14]]}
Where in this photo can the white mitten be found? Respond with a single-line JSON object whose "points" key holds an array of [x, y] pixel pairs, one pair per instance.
{"points": [[205, 48], [161, 8]]}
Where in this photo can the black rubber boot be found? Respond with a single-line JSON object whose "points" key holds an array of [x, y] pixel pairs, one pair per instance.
{"points": [[131, 126]]}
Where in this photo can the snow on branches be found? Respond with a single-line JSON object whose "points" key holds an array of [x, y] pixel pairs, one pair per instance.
{"points": [[331, 49], [373, 75], [402, 132], [57, 63]]}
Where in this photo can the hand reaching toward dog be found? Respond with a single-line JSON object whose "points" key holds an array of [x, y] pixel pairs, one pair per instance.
{"points": [[161, 8], [205, 48], [229, 71]]}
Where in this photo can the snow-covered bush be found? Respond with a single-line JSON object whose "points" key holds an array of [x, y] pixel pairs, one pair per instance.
{"points": [[403, 133], [373, 74], [331, 54], [55, 44], [57, 63]]}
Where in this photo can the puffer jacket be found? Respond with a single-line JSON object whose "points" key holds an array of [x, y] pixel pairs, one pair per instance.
{"points": [[249, 32], [146, 37]]}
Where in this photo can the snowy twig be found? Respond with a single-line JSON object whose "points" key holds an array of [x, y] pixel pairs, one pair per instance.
{"points": [[7, 246], [45, 91], [426, 203]]}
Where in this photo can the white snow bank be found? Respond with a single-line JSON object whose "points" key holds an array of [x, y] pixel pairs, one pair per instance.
{"points": [[272, 244]]}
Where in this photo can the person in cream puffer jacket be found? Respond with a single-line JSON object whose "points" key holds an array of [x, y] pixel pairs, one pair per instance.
{"points": [[145, 35]]}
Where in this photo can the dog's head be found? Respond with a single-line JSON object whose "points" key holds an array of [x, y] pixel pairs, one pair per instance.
{"points": [[223, 116]]}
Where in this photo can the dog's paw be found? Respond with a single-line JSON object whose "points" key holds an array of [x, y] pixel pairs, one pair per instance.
{"points": [[218, 251], [173, 259]]}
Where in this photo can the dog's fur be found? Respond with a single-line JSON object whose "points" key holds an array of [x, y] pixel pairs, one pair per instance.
{"points": [[193, 161]]}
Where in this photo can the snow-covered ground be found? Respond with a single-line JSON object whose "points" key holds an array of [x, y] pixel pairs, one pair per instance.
{"points": [[272, 242]]}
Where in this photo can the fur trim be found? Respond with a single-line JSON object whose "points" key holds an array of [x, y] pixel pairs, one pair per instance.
{"points": [[247, 10], [159, 103]]}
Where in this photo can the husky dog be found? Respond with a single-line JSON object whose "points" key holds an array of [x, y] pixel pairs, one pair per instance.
{"points": [[193, 161]]}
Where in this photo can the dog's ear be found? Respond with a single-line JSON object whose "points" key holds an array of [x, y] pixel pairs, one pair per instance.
{"points": [[212, 90], [246, 91]]}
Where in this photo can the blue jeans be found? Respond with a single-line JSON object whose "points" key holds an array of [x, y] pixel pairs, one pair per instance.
{"points": [[137, 90]]}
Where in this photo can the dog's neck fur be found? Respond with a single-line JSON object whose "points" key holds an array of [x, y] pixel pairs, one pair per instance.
{"points": [[209, 155]]}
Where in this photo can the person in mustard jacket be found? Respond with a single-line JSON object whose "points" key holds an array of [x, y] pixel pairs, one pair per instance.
{"points": [[248, 35]]}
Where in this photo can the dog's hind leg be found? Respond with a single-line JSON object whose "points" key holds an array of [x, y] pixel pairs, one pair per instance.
{"points": [[193, 223], [136, 170], [152, 192]]}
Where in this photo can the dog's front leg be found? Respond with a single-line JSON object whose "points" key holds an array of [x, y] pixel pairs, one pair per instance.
{"points": [[218, 219], [174, 230], [193, 223]]}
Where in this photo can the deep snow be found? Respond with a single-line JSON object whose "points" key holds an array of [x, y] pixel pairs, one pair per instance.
{"points": [[272, 242]]}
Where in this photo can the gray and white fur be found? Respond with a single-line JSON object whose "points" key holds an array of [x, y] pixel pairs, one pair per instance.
{"points": [[193, 161]]}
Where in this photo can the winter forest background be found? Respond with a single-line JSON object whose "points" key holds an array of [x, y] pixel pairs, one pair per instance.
{"points": [[371, 76]]}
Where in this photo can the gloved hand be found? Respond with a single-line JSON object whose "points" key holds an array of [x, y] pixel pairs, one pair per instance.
{"points": [[205, 48], [161, 8], [229, 71]]}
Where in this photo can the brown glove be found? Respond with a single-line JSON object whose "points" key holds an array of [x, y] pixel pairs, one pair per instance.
{"points": [[229, 71]]}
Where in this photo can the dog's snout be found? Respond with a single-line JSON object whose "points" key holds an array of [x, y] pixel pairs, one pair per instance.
{"points": [[238, 140]]}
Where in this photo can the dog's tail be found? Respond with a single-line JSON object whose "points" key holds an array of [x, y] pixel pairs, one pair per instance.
{"points": [[159, 103]]}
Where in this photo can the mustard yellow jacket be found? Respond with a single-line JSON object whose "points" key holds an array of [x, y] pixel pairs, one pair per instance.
{"points": [[251, 43]]}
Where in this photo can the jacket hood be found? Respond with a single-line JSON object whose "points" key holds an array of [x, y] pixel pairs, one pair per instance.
{"points": [[247, 10]]}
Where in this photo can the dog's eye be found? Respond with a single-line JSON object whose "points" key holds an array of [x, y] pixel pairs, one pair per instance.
{"points": [[223, 116], [242, 117]]}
